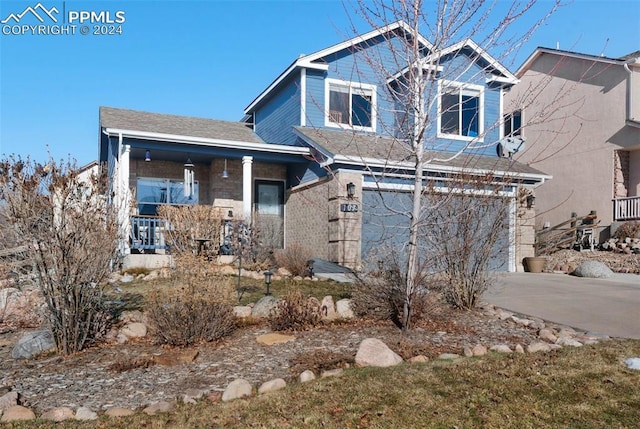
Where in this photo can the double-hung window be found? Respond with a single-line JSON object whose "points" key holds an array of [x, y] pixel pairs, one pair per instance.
{"points": [[461, 110], [152, 192], [350, 104], [513, 124]]}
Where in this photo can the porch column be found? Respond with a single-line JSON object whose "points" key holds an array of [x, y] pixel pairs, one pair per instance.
{"points": [[123, 203], [246, 187]]}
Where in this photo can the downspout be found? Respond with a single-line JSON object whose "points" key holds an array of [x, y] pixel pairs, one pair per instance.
{"points": [[629, 92]]}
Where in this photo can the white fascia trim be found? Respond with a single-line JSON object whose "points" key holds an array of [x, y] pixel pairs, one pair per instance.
{"points": [[302, 62], [406, 69], [307, 61], [201, 141], [303, 97], [508, 77], [364, 37], [328, 155], [444, 189], [381, 163]]}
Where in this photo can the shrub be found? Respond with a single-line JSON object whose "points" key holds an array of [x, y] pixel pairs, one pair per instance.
{"points": [[191, 222], [628, 229], [295, 313], [294, 258], [71, 234], [196, 308], [381, 294]]}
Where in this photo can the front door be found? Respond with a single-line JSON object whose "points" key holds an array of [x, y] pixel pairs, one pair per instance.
{"points": [[269, 212]]}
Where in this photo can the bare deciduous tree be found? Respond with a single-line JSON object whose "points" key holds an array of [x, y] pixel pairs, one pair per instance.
{"points": [[61, 215], [423, 97]]}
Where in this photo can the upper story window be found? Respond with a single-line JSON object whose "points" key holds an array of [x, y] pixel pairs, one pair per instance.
{"points": [[513, 124], [350, 104], [151, 192], [461, 111]]}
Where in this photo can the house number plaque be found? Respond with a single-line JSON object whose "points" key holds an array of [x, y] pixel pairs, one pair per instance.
{"points": [[349, 208]]}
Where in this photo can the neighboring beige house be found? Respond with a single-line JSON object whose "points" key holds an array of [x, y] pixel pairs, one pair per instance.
{"points": [[580, 115]]}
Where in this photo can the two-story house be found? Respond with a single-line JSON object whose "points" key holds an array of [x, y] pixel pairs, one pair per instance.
{"points": [[581, 120], [318, 154]]}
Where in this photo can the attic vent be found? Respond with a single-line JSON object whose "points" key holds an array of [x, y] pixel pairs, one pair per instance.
{"points": [[510, 145]]}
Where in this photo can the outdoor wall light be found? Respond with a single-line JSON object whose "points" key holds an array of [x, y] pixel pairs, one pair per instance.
{"points": [[351, 190], [531, 201], [225, 173], [188, 164], [267, 280], [147, 156]]}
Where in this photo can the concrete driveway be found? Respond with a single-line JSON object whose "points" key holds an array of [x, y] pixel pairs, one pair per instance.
{"points": [[604, 306]]}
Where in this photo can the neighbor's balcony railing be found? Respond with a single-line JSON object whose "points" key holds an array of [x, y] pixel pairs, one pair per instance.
{"points": [[148, 233], [626, 208]]}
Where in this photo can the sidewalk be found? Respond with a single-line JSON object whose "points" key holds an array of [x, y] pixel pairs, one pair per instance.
{"points": [[603, 306]]}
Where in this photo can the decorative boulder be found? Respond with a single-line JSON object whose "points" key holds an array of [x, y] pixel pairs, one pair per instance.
{"points": [[373, 352], [238, 388], [33, 344], [593, 270], [343, 308], [264, 306]]}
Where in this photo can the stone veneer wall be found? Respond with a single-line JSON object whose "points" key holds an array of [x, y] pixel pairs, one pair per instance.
{"points": [[345, 228], [306, 218]]}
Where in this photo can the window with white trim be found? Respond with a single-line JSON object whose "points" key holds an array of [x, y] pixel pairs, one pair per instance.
{"points": [[350, 104], [513, 124], [152, 192], [461, 110]]}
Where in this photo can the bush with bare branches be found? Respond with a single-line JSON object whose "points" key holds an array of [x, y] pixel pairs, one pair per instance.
{"points": [[294, 312], [60, 214], [196, 308], [189, 223], [294, 258]]}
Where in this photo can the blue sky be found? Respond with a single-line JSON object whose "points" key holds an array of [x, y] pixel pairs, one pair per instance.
{"points": [[208, 59]]}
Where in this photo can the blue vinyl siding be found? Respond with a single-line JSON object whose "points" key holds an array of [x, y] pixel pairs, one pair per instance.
{"points": [[275, 118], [315, 98]]}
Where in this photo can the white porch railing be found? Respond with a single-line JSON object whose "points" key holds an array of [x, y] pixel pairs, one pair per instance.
{"points": [[626, 208]]}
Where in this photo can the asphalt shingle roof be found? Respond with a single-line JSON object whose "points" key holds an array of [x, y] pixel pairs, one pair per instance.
{"points": [[371, 146], [136, 120]]}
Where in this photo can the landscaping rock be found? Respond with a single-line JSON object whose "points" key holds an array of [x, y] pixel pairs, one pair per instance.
{"points": [[479, 350], [214, 397], [127, 278], [332, 373], [17, 412], [192, 395], [84, 413], [33, 344], [159, 407], [238, 388], [547, 335], [307, 376], [274, 338], [503, 315], [242, 311], [8, 400], [272, 386], [58, 414], [501, 348], [519, 349], [449, 356], [632, 363], [343, 308], [593, 269], [538, 347], [264, 306], [567, 341], [328, 308], [134, 330], [373, 352], [419, 359], [468, 352], [119, 412]]}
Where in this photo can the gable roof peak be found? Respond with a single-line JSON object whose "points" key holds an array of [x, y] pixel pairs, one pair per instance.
{"points": [[311, 60]]}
